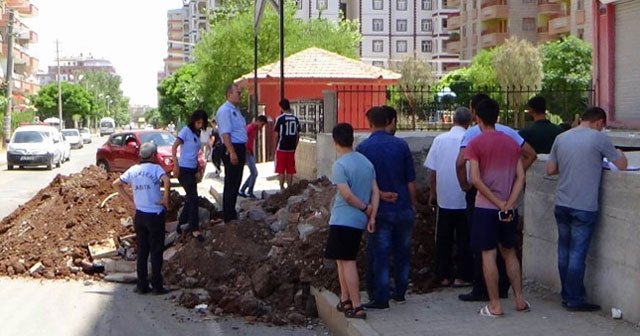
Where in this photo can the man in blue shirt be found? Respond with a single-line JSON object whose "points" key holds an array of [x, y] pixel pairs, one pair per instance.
{"points": [[395, 175], [231, 127], [150, 204]]}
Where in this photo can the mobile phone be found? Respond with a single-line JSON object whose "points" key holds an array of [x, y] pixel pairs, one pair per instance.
{"points": [[505, 215]]}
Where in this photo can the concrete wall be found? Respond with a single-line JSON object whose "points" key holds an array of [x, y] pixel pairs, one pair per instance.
{"points": [[613, 262], [306, 167]]}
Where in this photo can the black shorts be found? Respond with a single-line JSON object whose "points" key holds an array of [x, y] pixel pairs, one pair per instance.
{"points": [[487, 231], [343, 243]]}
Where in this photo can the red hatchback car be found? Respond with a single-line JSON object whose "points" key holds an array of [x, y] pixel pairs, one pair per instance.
{"points": [[122, 149]]}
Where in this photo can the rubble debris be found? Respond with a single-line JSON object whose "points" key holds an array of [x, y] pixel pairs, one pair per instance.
{"points": [[36, 268], [103, 249]]}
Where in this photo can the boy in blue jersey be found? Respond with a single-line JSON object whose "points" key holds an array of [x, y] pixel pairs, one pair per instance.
{"points": [[150, 204], [354, 209]]}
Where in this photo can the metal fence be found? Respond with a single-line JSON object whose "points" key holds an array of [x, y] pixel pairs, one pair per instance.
{"points": [[310, 113], [421, 108]]}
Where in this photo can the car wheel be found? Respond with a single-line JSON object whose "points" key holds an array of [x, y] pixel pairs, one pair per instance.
{"points": [[59, 162], [9, 167], [103, 165], [21, 167], [50, 164]]}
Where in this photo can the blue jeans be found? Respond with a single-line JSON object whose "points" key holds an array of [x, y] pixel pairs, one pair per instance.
{"points": [[253, 171], [575, 228], [392, 237]]}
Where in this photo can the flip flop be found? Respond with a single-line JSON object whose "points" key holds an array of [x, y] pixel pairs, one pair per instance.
{"points": [[461, 285], [486, 312], [527, 307]]}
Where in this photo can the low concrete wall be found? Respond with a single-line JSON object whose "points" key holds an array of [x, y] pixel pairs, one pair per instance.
{"points": [[613, 262], [306, 155]]}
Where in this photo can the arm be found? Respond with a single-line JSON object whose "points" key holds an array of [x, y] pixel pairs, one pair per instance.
{"points": [[552, 168], [226, 140], [167, 191], [622, 162], [372, 210], [517, 186], [461, 171], [482, 188], [529, 156], [350, 198], [432, 189], [119, 186], [412, 193], [174, 155]]}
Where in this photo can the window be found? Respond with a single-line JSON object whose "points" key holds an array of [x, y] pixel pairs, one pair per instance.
{"points": [[378, 24], [299, 4], [377, 4], [427, 46], [401, 46], [321, 4], [580, 4], [444, 23], [378, 46], [401, 5], [427, 25], [401, 25], [528, 24], [427, 4], [378, 64]]}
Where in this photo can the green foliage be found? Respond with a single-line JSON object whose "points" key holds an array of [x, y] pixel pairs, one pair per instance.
{"points": [[411, 95], [109, 100], [75, 100], [567, 69], [178, 95], [16, 119], [554, 118], [226, 51], [153, 117]]}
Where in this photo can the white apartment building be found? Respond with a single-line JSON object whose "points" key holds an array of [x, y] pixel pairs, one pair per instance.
{"points": [[72, 67]]}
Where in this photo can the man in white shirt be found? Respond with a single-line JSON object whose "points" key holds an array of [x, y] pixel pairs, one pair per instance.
{"points": [[445, 192]]}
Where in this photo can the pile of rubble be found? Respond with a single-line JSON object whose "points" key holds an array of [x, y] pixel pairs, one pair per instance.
{"points": [[261, 266]]}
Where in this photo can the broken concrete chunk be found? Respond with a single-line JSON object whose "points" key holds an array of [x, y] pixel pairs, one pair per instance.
{"points": [[305, 230], [103, 249], [257, 214], [126, 222], [169, 253], [117, 266], [281, 223], [121, 277], [37, 268], [171, 238]]}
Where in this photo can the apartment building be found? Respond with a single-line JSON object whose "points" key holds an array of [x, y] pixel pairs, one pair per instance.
{"points": [[483, 24], [72, 67], [24, 65]]}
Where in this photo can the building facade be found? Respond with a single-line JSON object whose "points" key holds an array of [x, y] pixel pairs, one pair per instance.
{"points": [[25, 66], [483, 24], [71, 69]]}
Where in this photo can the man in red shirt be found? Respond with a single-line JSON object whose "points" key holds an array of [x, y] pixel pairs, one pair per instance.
{"points": [[252, 131]]}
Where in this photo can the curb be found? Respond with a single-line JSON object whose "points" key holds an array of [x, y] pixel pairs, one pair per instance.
{"points": [[339, 325]]}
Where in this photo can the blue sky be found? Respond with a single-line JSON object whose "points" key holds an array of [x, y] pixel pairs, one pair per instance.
{"points": [[132, 34]]}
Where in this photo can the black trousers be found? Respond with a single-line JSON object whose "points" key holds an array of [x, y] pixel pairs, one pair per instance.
{"points": [[232, 181], [452, 229], [189, 214], [150, 238], [479, 285], [216, 156]]}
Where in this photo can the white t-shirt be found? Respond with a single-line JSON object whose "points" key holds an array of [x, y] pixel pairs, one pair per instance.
{"points": [[145, 180], [205, 135], [442, 159]]}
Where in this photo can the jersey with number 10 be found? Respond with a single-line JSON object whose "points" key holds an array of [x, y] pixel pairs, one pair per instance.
{"points": [[287, 127]]}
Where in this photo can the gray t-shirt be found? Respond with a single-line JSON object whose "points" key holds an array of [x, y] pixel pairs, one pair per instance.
{"points": [[578, 153]]}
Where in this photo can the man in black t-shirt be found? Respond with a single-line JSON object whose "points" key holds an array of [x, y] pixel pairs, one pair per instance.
{"points": [[287, 130], [543, 132]]}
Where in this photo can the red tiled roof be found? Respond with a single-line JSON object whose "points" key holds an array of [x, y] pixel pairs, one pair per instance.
{"points": [[320, 63]]}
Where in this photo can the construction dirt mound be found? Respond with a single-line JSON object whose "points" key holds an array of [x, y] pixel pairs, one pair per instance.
{"points": [[261, 266]]}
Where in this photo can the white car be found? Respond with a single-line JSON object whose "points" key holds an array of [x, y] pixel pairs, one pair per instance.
{"points": [[73, 137], [86, 135], [35, 146]]}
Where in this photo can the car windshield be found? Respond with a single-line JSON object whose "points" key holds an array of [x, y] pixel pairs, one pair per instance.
{"points": [[84, 130], [69, 133], [159, 138], [28, 137], [106, 124]]}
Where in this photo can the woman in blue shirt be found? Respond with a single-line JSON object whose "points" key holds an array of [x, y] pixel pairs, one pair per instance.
{"points": [[186, 169]]}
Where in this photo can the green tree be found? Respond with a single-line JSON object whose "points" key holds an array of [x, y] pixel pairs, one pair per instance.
{"points": [[178, 95], [518, 67], [153, 117], [105, 89], [412, 96], [567, 66], [75, 100], [226, 51], [479, 76]]}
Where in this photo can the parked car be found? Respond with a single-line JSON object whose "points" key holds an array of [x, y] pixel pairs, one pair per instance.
{"points": [[65, 147], [35, 146], [73, 137], [122, 149], [107, 126], [86, 135]]}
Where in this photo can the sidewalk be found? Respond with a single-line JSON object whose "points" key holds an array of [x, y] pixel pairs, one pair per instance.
{"points": [[441, 313]]}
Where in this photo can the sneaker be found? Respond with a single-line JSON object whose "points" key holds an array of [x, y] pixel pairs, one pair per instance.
{"points": [[585, 307], [241, 194], [161, 291], [400, 299], [142, 291], [376, 305]]}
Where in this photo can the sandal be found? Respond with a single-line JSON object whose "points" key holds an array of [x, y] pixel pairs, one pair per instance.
{"points": [[357, 312], [344, 306], [527, 307], [486, 312]]}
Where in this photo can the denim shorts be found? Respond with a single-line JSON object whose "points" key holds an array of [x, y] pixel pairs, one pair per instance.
{"points": [[487, 231]]}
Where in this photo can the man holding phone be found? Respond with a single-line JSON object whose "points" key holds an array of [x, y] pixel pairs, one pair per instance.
{"points": [[498, 173]]}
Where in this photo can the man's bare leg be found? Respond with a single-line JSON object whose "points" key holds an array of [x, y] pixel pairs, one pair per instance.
{"points": [[352, 281], [281, 180], [344, 289], [289, 180], [490, 270], [513, 271]]}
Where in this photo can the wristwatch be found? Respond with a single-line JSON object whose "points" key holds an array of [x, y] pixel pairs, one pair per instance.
{"points": [[365, 208]]}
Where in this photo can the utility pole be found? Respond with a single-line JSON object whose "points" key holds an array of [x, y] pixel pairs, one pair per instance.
{"points": [[59, 86], [9, 79], [281, 49]]}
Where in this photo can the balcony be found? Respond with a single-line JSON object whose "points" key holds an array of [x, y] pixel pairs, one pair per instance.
{"points": [[453, 3], [454, 21], [580, 17], [547, 7], [491, 38], [544, 36], [494, 9], [559, 25], [27, 36], [453, 47], [24, 7]]}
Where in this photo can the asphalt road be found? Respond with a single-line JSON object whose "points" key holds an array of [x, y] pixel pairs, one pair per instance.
{"points": [[73, 308]]}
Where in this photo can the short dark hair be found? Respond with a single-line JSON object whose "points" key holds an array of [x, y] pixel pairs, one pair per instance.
{"points": [[198, 114], [477, 98], [378, 116], [594, 114], [343, 135], [538, 104], [262, 118], [391, 113], [228, 88], [488, 110], [285, 105]]}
